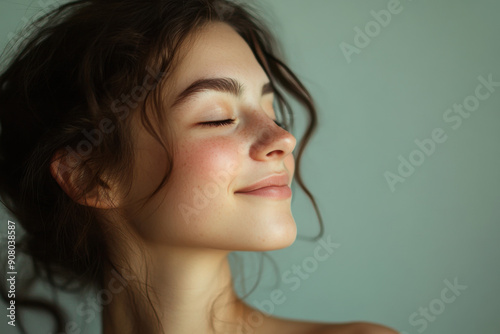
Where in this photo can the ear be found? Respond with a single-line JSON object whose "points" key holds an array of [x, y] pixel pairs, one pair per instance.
{"points": [[66, 168]]}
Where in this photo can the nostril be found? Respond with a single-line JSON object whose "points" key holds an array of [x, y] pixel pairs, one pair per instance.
{"points": [[278, 152]]}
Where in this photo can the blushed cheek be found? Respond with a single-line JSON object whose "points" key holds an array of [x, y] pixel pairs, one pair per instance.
{"points": [[202, 161]]}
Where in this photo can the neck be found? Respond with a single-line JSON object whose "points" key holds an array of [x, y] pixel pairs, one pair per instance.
{"points": [[189, 289]]}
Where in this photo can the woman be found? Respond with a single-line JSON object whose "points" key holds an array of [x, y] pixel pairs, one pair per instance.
{"points": [[140, 146]]}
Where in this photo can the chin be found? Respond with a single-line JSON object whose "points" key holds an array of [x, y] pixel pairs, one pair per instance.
{"points": [[279, 236]]}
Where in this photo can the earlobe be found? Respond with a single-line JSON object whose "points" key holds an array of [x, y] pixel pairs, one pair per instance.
{"points": [[66, 170]]}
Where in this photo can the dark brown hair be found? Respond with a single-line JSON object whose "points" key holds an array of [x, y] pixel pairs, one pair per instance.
{"points": [[65, 80]]}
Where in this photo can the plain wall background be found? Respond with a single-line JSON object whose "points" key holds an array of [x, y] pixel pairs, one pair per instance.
{"points": [[397, 248]]}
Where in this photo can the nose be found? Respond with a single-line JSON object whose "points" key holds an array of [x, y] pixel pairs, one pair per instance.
{"points": [[272, 141]]}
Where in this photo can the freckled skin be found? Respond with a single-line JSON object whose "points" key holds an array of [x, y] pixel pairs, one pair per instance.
{"points": [[198, 206]]}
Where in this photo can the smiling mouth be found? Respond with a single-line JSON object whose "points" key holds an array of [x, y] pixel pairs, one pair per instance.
{"points": [[279, 192]]}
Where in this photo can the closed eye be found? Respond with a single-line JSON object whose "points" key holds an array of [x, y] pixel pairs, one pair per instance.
{"points": [[231, 121], [219, 123]]}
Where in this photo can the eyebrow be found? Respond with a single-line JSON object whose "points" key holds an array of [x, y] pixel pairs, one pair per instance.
{"points": [[223, 85]]}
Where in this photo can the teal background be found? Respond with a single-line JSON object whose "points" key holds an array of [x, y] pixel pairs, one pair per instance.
{"points": [[397, 248]]}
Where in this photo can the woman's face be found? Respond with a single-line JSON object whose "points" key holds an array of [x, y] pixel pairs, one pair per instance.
{"points": [[199, 205]]}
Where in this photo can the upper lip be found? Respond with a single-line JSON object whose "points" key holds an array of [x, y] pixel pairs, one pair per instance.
{"points": [[273, 180]]}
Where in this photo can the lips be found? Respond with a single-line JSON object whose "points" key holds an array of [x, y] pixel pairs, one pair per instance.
{"points": [[271, 181]]}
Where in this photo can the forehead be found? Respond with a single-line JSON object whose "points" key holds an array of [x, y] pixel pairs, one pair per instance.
{"points": [[217, 51]]}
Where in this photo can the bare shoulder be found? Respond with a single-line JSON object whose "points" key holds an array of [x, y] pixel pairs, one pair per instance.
{"points": [[355, 328], [289, 326], [271, 324]]}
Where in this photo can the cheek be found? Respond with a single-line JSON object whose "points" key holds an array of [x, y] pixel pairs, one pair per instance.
{"points": [[197, 190], [199, 161]]}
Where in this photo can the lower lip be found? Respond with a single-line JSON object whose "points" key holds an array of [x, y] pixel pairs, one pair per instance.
{"points": [[274, 192]]}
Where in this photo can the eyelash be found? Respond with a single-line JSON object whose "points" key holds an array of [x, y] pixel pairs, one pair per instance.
{"points": [[231, 121], [219, 123]]}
